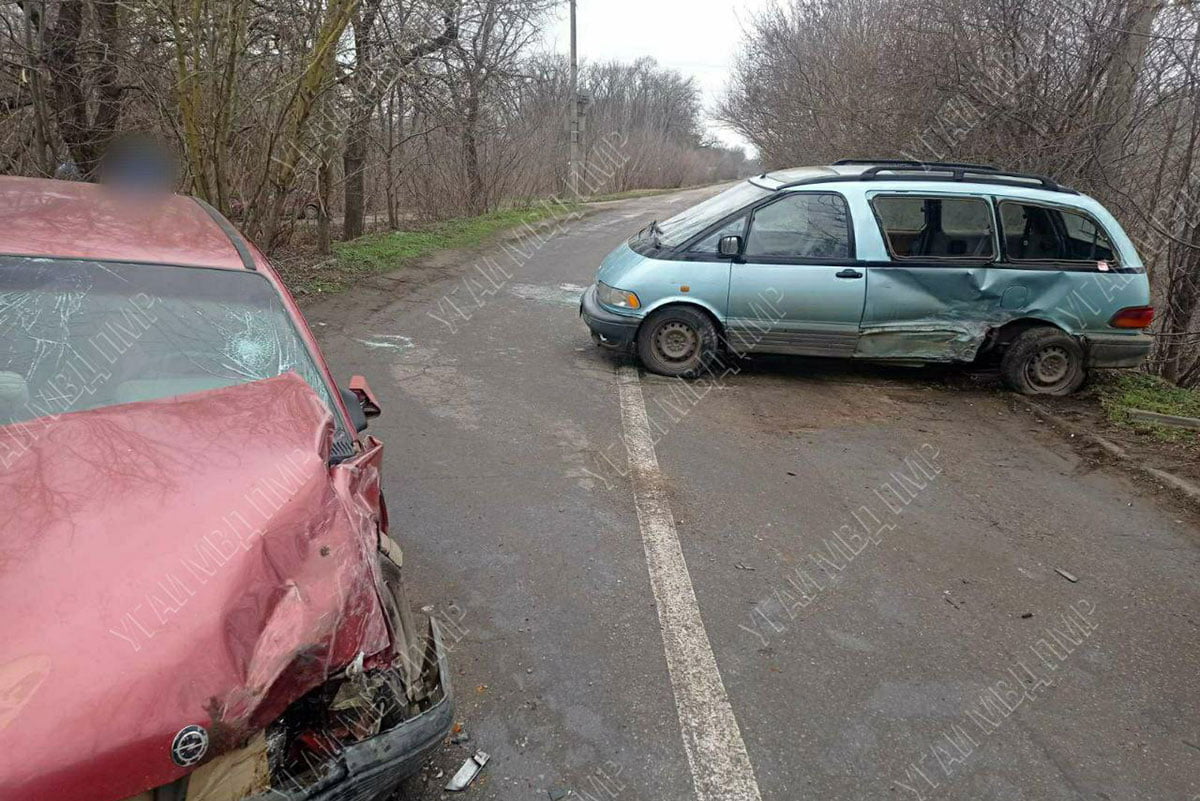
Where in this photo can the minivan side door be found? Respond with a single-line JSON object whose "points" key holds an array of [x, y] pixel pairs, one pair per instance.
{"points": [[796, 289], [931, 299]]}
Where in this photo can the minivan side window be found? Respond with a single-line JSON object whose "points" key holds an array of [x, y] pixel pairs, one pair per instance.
{"points": [[936, 227], [801, 225], [708, 245], [1043, 233]]}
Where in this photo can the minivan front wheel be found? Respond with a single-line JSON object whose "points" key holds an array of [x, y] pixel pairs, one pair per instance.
{"points": [[1044, 361], [677, 341]]}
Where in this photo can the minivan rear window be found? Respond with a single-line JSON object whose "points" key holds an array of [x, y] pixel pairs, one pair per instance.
{"points": [[936, 227], [1043, 233]]}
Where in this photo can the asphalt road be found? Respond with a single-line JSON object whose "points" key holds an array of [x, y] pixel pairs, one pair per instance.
{"points": [[643, 584]]}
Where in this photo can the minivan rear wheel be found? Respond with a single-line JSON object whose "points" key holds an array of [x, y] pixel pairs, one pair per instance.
{"points": [[677, 341], [1044, 361]]}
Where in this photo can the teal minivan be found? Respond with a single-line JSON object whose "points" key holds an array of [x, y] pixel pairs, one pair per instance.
{"points": [[883, 260]]}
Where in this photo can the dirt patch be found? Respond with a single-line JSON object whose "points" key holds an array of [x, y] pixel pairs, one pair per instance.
{"points": [[1181, 457], [796, 395], [830, 403]]}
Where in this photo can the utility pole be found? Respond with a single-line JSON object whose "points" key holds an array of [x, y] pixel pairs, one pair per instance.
{"points": [[573, 119]]}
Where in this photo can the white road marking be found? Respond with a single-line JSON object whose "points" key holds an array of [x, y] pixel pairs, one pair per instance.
{"points": [[721, 769], [388, 341]]}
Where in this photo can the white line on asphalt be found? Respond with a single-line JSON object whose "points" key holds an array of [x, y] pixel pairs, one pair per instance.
{"points": [[721, 769]]}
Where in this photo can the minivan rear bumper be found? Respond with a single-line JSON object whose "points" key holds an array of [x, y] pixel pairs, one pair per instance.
{"points": [[609, 330], [1118, 350]]}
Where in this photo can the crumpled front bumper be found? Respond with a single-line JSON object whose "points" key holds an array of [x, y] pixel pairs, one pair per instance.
{"points": [[609, 330], [372, 768]]}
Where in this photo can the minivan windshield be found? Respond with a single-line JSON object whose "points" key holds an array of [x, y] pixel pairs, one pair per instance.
{"points": [[682, 227], [79, 335]]}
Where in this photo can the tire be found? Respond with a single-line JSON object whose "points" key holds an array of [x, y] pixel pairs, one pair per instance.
{"points": [[1044, 361], [678, 342]]}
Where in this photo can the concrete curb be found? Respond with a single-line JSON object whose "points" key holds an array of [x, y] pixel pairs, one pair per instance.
{"points": [[1170, 479]]}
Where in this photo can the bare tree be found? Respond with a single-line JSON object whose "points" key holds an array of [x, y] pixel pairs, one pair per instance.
{"points": [[86, 95], [379, 65], [209, 40], [284, 142]]}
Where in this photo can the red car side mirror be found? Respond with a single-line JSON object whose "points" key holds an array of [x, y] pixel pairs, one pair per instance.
{"points": [[366, 398]]}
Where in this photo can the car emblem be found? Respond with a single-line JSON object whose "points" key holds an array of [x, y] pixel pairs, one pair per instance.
{"points": [[189, 746]]}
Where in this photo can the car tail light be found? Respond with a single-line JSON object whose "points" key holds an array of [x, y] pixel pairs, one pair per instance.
{"points": [[1133, 317]]}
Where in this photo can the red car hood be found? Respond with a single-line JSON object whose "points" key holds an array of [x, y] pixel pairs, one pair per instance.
{"points": [[169, 563]]}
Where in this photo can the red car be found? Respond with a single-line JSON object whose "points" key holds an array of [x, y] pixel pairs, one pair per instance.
{"points": [[200, 596]]}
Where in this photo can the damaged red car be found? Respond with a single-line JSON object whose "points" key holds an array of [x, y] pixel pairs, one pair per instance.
{"points": [[201, 600]]}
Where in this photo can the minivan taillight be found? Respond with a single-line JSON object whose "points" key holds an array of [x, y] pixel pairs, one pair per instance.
{"points": [[1133, 317]]}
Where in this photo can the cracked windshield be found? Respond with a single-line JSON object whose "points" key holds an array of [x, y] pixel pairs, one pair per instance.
{"points": [[599, 400], [78, 336]]}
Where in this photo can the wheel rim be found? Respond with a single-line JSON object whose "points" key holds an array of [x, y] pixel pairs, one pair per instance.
{"points": [[1049, 368], [676, 341]]}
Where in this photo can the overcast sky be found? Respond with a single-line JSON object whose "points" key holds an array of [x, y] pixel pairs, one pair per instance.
{"points": [[696, 37]]}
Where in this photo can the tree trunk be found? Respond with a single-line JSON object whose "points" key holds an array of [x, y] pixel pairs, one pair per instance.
{"points": [[324, 178], [190, 99], [1176, 346], [45, 151], [354, 157], [281, 167], [354, 161], [66, 79], [87, 138], [394, 128], [227, 96], [1115, 108], [368, 92], [476, 199]]}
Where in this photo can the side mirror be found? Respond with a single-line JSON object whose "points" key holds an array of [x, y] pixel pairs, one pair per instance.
{"points": [[360, 403], [354, 409], [730, 247], [370, 406]]}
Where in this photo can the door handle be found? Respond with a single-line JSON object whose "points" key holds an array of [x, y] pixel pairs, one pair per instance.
{"points": [[849, 273]]}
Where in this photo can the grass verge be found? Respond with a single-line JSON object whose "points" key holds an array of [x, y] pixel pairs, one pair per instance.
{"points": [[1121, 391], [394, 250]]}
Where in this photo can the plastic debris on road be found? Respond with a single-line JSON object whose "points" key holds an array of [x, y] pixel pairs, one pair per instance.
{"points": [[467, 773]]}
